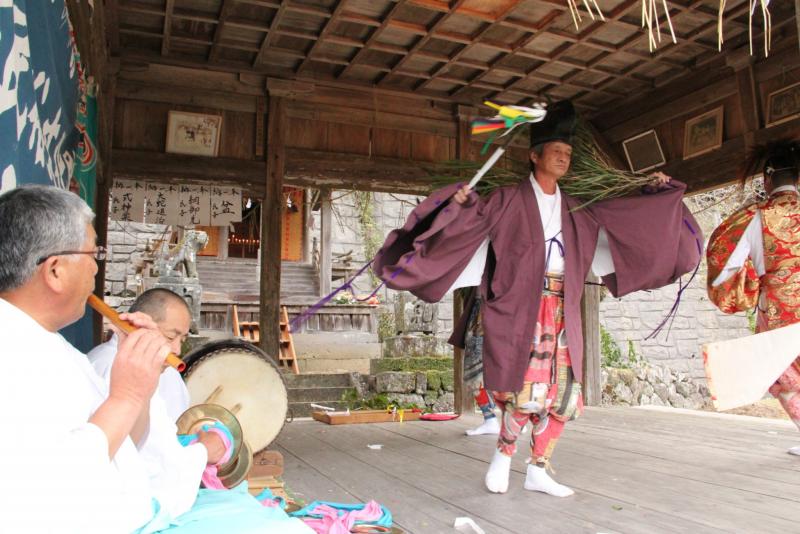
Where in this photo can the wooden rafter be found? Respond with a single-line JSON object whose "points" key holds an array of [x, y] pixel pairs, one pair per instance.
{"points": [[517, 47], [424, 38], [276, 20], [376, 33], [467, 46], [168, 8], [619, 65], [333, 19], [224, 12]]}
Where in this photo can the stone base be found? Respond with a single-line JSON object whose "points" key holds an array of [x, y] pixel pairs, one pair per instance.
{"points": [[411, 364], [416, 346], [340, 351]]}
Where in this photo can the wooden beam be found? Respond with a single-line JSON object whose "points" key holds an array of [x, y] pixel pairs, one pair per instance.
{"points": [[273, 25], [329, 25], [797, 20], [168, 8], [463, 401], [304, 168], [224, 12], [386, 19], [422, 41], [325, 253], [261, 111], [590, 317], [649, 113], [111, 10], [271, 221]]}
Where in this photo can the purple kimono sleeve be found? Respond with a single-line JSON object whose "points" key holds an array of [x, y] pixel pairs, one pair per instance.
{"points": [[436, 243], [653, 238]]}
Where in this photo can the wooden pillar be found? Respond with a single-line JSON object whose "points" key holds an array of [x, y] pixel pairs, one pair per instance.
{"points": [[742, 63], [590, 316], [104, 177], [797, 20], [463, 400], [326, 217], [271, 211]]}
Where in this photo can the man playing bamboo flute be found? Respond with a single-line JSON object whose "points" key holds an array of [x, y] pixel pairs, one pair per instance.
{"points": [[70, 442], [754, 258], [533, 250]]}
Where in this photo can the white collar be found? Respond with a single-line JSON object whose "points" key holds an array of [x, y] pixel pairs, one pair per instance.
{"points": [[538, 188]]}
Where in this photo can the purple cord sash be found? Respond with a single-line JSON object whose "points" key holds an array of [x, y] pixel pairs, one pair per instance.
{"points": [[295, 323]]}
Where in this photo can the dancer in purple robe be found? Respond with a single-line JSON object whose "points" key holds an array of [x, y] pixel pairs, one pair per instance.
{"points": [[530, 247]]}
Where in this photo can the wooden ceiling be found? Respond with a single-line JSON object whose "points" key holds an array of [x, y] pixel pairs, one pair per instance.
{"points": [[513, 51]]}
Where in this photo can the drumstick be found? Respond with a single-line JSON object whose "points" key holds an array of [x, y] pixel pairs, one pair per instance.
{"points": [[111, 314]]}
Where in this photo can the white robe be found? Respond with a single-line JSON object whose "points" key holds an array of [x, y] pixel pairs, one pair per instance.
{"points": [[174, 470], [56, 468], [171, 387]]}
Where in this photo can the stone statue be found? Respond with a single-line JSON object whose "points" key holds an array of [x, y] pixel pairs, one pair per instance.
{"points": [[414, 316], [177, 271], [181, 260]]}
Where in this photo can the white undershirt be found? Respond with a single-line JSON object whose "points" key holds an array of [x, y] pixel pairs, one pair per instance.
{"points": [[550, 212], [750, 245]]}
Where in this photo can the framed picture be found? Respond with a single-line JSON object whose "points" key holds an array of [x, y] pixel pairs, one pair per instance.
{"points": [[193, 133], [783, 105], [703, 133], [643, 151]]}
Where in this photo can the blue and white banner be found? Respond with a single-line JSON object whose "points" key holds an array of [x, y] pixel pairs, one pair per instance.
{"points": [[38, 94]]}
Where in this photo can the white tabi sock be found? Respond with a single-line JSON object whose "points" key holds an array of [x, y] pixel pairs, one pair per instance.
{"points": [[794, 450], [537, 479], [497, 475], [489, 426]]}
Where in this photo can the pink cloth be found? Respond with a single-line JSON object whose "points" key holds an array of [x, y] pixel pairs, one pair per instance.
{"points": [[209, 477], [334, 522]]}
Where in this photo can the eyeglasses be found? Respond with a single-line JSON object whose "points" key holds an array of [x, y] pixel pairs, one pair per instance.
{"points": [[98, 254]]}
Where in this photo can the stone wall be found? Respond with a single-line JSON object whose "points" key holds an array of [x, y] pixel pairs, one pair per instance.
{"points": [[415, 369], [656, 385], [129, 243], [679, 345], [698, 321]]}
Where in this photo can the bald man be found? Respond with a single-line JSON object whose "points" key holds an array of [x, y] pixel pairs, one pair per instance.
{"points": [[173, 317]]}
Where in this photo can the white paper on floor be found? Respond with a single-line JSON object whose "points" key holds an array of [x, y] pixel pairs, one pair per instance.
{"points": [[467, 525]]}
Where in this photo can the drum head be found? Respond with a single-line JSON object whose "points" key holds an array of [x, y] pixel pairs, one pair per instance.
{"points": [[240, 377]]}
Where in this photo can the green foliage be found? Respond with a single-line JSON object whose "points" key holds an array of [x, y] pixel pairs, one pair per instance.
{"points": [[434, 380], [377, 401], [632, 357], [412, 364], [751, 320], [386, 324], [370, 232], [611, 353], [591, 176]]}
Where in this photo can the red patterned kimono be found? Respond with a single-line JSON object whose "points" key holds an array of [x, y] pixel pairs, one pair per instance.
{"points": [[777, 291]]}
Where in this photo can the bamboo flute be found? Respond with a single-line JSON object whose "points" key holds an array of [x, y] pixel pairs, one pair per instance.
{"points": [[111, 314]]}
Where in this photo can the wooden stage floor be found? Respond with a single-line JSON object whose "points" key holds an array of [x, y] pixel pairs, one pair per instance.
{"points": [[633, 470]]}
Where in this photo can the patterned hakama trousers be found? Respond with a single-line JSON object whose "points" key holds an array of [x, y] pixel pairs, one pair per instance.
{"points": [[550, 396]]}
